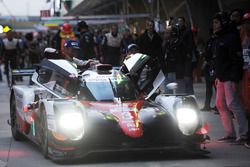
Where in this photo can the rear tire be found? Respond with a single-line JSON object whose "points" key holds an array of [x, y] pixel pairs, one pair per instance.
{"points": [[17, 135], [44, 133]]}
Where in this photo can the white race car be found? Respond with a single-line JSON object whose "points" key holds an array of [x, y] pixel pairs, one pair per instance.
{"points": [[71, 113]]}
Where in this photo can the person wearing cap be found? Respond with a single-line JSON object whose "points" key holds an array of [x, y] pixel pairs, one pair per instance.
{"points": [[66, 34], [126, 40], [70, 53], [139, 76], [50, 53], [130, 51], [142, 76], [86, 42]]}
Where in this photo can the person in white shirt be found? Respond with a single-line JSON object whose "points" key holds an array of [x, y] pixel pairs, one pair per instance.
{"points": [[10, 52], [112, 53]]}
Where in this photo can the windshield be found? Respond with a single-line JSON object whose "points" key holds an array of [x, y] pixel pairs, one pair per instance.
{"points": [[108, 89], [58, 83]]}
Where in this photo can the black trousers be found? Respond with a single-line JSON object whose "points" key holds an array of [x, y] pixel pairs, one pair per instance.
{"points": [[209, 92], [12, 61], [112, 56]]}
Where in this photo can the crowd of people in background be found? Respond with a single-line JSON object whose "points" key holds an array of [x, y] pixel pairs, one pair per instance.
{"points": [[178, 52]]}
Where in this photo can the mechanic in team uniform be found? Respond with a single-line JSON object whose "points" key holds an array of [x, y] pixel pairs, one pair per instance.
{"points": [[71, 49], [10, 53], [86, 42], [66, 34]]}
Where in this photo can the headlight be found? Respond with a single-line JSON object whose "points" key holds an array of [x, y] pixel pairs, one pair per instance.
{"points": [[71, 121], [187, 120]]}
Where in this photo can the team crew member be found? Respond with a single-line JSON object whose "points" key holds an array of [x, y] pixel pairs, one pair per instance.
{"points": [[10, 53], [70, 51], [112, 52], [142, 77], [131, 50], [86, 43], [66, 34]]}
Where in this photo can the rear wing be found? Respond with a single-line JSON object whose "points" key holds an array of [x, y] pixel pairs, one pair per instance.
{"points": [[23, 72]]}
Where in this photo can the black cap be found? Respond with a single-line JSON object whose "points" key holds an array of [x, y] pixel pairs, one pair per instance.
{"points": [[71, 43], [82, 24]]}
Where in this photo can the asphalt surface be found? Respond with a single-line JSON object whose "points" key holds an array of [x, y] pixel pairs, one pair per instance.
{"points": [[26, 154]]}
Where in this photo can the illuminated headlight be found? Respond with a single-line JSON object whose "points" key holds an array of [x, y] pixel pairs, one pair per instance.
{"points": [[187, 120], [71, 121]]}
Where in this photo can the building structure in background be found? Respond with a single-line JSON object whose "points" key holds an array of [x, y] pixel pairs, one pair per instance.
{"points": [[129, 13], [22, 23], [199, 13]]}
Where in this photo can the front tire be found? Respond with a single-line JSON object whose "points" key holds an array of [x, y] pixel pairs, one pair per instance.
{"points": [[44, 133], [17, 135]]}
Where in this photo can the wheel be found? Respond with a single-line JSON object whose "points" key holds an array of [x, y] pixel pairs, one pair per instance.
{"points": [[9, 77], [44, 133], [17, 135]]}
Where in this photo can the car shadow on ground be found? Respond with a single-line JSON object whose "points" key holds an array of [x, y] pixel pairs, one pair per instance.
{"points": [[121, 157]]}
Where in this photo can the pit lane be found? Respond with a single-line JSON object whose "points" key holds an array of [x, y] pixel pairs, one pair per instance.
{"points": [[13, 154]]}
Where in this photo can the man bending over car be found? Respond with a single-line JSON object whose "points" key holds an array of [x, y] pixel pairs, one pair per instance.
{"points": [[70, 52]]}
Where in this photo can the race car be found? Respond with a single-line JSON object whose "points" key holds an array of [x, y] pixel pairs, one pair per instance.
{"points": [[71, 113]]}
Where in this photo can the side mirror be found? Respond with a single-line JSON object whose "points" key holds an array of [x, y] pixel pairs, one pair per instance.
{"points": [[172, 86]]}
